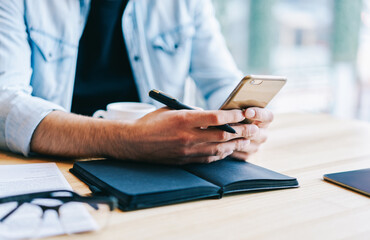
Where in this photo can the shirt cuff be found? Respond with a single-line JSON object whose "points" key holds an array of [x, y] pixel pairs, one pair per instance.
{"points": [[23, 119]]}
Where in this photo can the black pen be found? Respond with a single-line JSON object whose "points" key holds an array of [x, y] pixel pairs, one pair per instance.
{"points": [[175, 104]]}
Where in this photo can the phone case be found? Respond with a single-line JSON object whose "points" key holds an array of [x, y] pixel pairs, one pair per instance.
{"points": [[254, 91]]}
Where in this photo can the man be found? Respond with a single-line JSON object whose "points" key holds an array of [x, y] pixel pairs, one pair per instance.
{"points": [[61, 55]]}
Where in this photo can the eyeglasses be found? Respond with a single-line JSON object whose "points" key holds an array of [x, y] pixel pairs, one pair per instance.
{"points": [[50, 213]]}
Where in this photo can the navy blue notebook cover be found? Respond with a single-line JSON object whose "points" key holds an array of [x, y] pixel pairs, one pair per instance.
{"points": [[143, 185], [358, 180]]}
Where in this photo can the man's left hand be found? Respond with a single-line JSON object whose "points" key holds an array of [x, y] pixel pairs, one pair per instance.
{"points": [[261, 118]]}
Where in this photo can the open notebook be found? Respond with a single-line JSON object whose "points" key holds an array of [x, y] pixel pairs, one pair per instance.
{"points": [[143, 185]]}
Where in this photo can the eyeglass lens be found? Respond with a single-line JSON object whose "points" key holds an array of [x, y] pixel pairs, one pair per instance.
{"points": [[46, 217]]}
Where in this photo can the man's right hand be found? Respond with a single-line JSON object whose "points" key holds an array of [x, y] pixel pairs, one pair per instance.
{"points": [[183, 136]]}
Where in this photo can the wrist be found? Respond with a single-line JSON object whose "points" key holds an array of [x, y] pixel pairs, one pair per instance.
{"points": [[115, 140]]}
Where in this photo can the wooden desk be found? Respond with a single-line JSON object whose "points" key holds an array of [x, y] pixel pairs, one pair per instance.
{"points": [[301, 145]]}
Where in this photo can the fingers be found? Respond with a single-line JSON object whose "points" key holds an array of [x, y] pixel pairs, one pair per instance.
{"points": [[240, 148], [261, 137], [262, 116], [241, 155], [221, 150], [207, 153], [247, 131], [246, 153], [213, 118]]}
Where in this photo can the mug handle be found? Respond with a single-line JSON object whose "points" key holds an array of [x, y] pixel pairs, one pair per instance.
{"points": [[100, 114]]}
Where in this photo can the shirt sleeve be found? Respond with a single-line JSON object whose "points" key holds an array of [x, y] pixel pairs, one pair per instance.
{"points": [[212, 66], [20, 112]]}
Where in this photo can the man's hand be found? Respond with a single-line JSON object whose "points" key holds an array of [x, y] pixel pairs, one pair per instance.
{"points": [[261, 118], [184, 136]]}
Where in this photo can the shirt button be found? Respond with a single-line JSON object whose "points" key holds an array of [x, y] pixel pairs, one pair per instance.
{"points": [[137, 58]]}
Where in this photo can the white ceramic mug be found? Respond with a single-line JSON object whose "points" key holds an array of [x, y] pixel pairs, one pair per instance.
{"points": [[125, 111]]}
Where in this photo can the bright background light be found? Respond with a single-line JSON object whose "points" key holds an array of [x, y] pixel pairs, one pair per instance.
{"points": [[322, 46]]}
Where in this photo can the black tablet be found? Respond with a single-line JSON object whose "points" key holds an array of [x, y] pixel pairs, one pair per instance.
{"points": [[358, 180]]}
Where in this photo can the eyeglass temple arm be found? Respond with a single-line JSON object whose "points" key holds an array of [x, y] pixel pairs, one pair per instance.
{"points": [[28, 196], [11, 212], [111, 201]]}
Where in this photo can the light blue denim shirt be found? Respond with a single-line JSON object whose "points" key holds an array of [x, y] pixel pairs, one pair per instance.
{"points": [[167, 41]]}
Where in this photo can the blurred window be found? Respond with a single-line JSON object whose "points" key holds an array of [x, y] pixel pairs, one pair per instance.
{"points": [[322, 46]]}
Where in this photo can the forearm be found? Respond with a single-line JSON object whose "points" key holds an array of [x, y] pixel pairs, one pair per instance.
{"points": [[66, 134], [163, 136]]}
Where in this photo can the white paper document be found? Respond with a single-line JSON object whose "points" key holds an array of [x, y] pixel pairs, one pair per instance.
{"points": [[39, 177]]}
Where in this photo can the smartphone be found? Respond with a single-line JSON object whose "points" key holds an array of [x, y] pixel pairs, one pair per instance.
{"points": [[254, 91]]}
